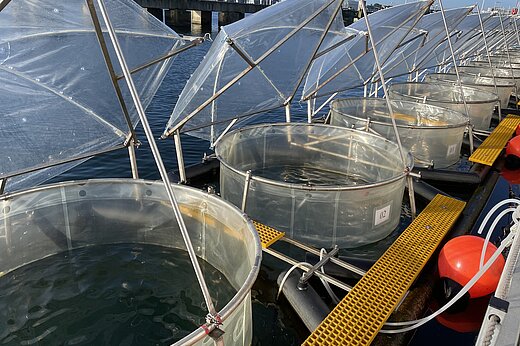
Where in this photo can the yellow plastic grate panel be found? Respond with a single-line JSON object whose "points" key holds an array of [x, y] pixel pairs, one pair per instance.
{"points": [[489, 150], [357, 319], [268, 235]]}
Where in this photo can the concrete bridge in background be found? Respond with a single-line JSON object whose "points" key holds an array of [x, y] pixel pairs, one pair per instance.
{"points": [[184, 13]]}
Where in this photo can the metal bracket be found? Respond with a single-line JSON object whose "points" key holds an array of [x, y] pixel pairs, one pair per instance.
{"points": [[498, 307], [302, 283]]}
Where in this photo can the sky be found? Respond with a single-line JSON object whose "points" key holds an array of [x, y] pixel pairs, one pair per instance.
{"points": [[456, 3]]}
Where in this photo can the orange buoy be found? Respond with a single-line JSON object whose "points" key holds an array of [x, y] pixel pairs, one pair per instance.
{"points": [[459, 261], [511, 175], [467, 320], [513, 146]]}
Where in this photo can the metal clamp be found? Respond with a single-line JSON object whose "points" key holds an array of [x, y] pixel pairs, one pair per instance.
{"points": [[212, 326], [302, 283]]}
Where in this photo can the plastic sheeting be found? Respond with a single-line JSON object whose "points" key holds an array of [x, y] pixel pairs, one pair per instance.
{"points": [[323, 185], [274, 48], [502, 87], [432, 134], [413, 56], [480, 104], [352, 64], [58, 100]]}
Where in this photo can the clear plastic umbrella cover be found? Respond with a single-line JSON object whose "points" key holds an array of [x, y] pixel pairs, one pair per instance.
{"points": [[58, 100], [481, 104], [254, 65], [416, 53], [432, 134], [323, 185], [352, 64]]}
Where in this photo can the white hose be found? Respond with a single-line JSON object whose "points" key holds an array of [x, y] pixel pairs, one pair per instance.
{"points": [[488, 235], [417, 323], [331, 293], [297, 265]]}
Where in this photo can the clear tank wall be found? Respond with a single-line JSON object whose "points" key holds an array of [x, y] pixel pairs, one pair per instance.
{"points": [[481, 104], [432, 134], [50, 220], [360, 204], [504, 87]]}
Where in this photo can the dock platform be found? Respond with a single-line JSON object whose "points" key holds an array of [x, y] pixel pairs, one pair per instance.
{"points": [[357, 319]]}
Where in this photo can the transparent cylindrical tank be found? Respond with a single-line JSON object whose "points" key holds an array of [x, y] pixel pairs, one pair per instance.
{"points": [[496, 63], [500, 72], [504, 87], [432, 134], [48, 220], [481, 104], [323, 185]]}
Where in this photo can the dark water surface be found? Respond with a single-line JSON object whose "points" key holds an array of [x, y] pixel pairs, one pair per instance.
{"points": [[125, 294]]}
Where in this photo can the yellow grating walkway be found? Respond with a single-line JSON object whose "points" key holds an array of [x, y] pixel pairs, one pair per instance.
{"points": [[489, 150], [357, 319], [268, 235]]}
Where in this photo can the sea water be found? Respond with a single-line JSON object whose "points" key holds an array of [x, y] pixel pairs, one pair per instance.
{"points": [[309, 175], [127, 294]]}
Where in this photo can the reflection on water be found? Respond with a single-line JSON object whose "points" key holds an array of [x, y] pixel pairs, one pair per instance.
{"points": [[107, 295]]}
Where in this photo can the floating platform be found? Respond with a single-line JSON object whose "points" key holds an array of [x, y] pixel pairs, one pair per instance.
{"points": [[357, 319], [490, 149]]}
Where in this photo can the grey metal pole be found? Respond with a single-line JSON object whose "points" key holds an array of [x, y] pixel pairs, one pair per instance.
{"points": [[506, 46], [455, 67], [133, 160], [389, 104], [157, 157], [488, 55]]}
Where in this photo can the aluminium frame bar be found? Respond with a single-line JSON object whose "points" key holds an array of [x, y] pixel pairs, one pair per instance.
{"points": [[459, 82], [314, 93], [61, 162], [157, 156], [488, 55], [248, 69], [131, 140], [168, 55], [392, 115]]}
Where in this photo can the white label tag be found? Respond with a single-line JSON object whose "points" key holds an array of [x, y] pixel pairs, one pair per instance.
{"points": [[382, 215], [452, 150]]}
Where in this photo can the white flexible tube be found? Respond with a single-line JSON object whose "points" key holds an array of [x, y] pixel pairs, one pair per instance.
{"points": [[489, 233], [417, 323], [297, 265], [495, 208], [331, 293]]}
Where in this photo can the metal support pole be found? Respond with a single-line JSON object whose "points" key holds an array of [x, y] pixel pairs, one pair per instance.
{"points": [[459, 83], [133, 161], [247, 183], [180, 157], [157, 156], [3, 182], [288, 113], [488, 55], [309, 110], [110, 67], [506, 47], [389, 104]]}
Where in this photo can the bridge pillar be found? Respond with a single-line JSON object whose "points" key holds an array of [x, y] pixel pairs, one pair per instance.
{"points": [[179, 18], [225, 18], [202, 18], [156, 12]]}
